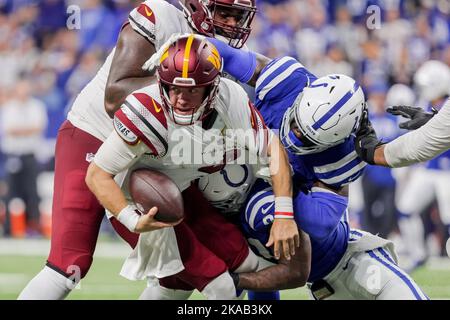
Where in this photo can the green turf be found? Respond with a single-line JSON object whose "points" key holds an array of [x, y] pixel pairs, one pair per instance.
{"points": [[103, 281]]}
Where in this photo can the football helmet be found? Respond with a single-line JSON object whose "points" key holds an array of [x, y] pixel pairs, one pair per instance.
{"points": [[207, 17], [190, 62], [228, 188], [433, 80], [326, 113]]}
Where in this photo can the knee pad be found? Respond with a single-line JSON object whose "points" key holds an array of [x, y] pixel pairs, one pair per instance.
{"points": [[221, 288]]}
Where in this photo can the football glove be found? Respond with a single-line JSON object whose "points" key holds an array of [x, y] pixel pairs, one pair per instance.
{"points": [[366, 140], [417, 115]]}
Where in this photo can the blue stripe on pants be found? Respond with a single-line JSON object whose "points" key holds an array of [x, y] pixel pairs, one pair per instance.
{"points": [[386, 255], [404, 278]]}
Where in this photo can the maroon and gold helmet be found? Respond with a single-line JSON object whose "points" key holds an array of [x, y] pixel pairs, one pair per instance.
{"points": [[204, 16], [190, 62]]}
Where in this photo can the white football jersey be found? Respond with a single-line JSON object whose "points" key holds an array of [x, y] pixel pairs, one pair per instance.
{"points": [[184, 153], [156, 20]]}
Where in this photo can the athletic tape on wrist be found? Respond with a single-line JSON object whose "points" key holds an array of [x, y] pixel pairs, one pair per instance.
{"points": [[129, 217], [284, 208]]}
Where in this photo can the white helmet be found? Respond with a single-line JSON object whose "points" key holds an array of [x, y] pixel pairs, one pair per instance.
{"points": [[327, 112], [227, 189], [433, 80], [400, 95]]}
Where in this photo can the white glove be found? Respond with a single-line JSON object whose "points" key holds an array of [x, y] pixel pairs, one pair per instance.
{"points": [[155, 59]]}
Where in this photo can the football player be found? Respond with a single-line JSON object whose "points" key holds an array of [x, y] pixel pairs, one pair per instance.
{"points": [[76, 213], [346, 263], [430, 181], [316, 118], [153, 126]]}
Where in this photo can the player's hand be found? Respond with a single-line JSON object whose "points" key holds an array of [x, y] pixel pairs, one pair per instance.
{"points": [[147, 222], [366, 140], [417, 115], [284, 237]]}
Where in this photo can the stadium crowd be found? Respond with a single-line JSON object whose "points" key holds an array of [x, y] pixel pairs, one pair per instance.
{"points": [[54, 48]]}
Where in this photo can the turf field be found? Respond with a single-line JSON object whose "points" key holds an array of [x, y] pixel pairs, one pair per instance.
{"points": [[103, 281]]}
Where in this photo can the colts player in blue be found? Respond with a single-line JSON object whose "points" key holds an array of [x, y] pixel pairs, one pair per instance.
{"points": [[319, 142], [316, 119], [337, 264]]}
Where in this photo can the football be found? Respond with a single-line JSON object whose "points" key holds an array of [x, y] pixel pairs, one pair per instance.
{"points": [[149, 188]]}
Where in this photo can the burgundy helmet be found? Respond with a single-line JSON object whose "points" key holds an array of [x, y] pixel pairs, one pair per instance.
{"points": [[203, 15], [190, 62]]}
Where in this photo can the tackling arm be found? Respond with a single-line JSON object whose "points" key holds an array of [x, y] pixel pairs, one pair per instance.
{"points": [[126, 74], [287, 274], [245, 66], [284, 233]]}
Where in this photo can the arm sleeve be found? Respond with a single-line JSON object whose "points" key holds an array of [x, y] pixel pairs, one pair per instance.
{"points": [[319, 212], [422, 144], [115, 154], [238, 63]]}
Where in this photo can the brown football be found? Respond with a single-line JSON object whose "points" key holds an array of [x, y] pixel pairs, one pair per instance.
{"points": [[150, 188]]}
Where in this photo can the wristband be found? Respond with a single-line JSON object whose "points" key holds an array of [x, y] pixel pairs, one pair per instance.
{"points": [[129, 217], [284, 208]]}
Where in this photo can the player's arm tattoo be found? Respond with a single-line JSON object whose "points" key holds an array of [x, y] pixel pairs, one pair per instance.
{"points": [[285, 275], [126, 74], [261, 63]]}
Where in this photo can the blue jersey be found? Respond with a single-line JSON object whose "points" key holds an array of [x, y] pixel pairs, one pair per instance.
{"points": [[277, 87], [321, 215]]}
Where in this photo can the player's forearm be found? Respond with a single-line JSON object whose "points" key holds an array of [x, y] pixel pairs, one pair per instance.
{"points": [[379, 158], [280, 169], [106, 190], [117, 91], [278, 277], [285, 275]]}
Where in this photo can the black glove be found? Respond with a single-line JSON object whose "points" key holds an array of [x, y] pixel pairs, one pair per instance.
{"points": [[235, 277], [366, 140], [417, 115]]}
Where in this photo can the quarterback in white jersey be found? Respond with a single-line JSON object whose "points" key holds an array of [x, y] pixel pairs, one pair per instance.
{"points": [[76, 213], [191, 102]]}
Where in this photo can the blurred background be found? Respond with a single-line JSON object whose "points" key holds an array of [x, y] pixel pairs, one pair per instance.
{"points": [[45, 62]]}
